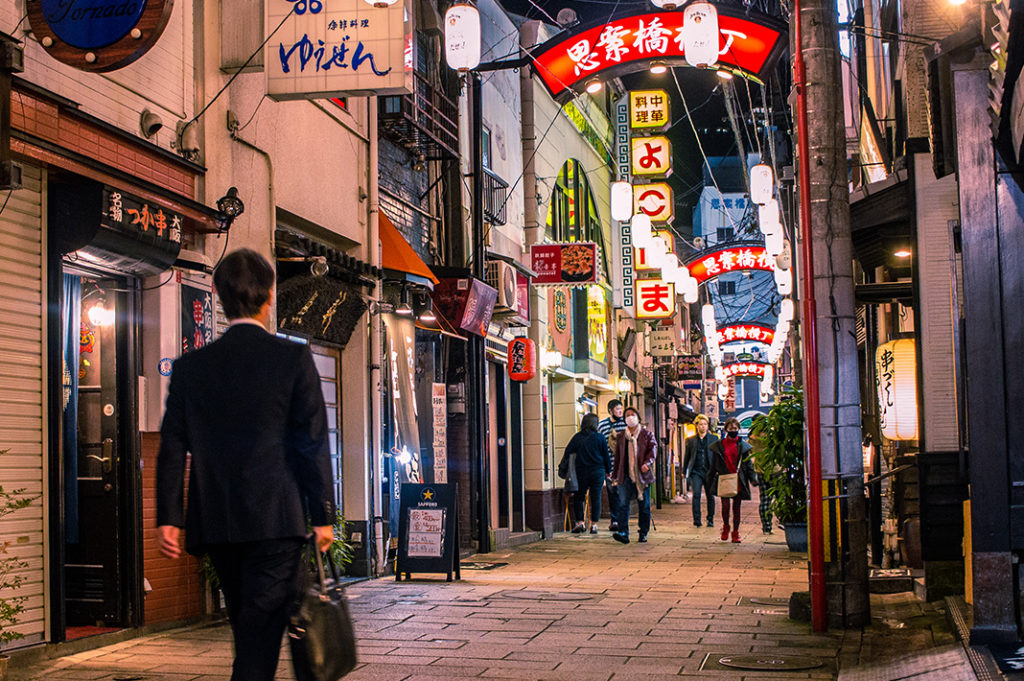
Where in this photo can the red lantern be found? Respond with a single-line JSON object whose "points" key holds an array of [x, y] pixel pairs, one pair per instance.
{"points": [[522, 359]]}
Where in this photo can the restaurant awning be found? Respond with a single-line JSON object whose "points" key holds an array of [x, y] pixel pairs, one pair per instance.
{"points": [[398, 256]]}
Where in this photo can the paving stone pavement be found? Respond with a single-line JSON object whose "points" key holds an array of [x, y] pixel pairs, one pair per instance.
{"points": [[574, 608]]}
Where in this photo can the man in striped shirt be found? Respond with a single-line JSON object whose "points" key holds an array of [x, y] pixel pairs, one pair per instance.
{"points": [[611, 427]]}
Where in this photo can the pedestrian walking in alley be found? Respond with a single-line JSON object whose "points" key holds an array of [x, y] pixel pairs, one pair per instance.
{"points": [[588, 451], [697, 466], [249, 409], [635, 452], [731, 456], [611, 427]]}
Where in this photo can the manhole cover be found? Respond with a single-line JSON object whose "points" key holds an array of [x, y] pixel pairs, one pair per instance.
{"points": [[770, 601], [544, 596], [481, 565], [770, 662]]}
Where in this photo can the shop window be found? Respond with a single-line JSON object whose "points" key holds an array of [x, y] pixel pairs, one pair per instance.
{"points": [[724, 234], [485, 147], [727, 288]]}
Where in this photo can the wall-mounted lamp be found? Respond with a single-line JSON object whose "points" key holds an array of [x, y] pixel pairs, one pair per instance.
{"points": [[594, 86], [428, 316], [229, 207], [657, 68], [903, 253], [150, 123], [404, 308]]}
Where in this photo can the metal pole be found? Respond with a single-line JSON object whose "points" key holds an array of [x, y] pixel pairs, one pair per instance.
{"points": [[815, 534], [477, 359], [659, 487]]}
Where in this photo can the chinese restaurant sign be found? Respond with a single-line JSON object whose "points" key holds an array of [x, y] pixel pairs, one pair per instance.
{"points": [[648, 109], [131, 214], [655, 299], [567, 263], [651, 156], [712, 263], [745, 332], [334, 48], [99, 35], [654, 200], [748, 42], [744, 369]]}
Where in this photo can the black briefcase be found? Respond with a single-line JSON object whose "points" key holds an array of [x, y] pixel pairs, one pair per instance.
{"points": [[320, 633]]}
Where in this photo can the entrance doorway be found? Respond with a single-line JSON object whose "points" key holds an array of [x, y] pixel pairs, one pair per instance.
{"points": [[96, 452]]}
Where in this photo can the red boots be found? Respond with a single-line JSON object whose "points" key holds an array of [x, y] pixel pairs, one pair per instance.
{"points": [[736, 536], [725, 531]]}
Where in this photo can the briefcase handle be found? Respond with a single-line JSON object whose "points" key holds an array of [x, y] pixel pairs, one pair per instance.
{"points": [[319, 560]]}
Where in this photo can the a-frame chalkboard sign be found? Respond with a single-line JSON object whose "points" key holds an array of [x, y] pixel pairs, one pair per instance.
{"points": [[428, 531]]}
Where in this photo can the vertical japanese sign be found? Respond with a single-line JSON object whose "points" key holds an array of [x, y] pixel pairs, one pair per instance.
{"points": [[622, 255], [333, 48], [656, 299], [196, 317], [439, 408], [648, 109]]}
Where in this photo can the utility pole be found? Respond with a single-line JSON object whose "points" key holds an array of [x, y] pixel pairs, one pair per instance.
{"points": [[831, 365]]}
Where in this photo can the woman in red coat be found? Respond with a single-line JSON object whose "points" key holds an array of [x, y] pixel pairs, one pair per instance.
{"points": [[732, 455], [635, 453]]}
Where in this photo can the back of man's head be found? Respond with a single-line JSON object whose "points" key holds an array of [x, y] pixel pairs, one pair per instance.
{"points": [[243, 281]]}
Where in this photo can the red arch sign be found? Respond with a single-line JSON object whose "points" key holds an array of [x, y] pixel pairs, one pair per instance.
{"points": [[735, 257], [749, 43]]}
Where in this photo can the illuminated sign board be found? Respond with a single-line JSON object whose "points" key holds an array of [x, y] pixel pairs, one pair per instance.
{"points": [[648, 109], [566, 263], [655, 299], [745, 332], [755, 369], [748, 42], [651, 156], [654, 200], [733, 258]]}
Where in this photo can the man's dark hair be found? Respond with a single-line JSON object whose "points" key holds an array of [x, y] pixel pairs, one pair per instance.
{"points": [[243, 281], [589, 423], [730, 421], [612, 404]]}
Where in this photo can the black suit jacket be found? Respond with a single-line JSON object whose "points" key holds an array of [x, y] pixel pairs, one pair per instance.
{"points": [[249, 409]]}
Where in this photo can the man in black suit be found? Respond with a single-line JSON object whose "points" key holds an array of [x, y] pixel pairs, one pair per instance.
{"points": [[249, 409]]}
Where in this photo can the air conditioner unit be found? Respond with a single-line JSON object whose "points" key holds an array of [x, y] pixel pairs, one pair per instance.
{"points": [[502, 276]]}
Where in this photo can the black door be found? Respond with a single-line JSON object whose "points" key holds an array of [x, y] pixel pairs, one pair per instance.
{"points": [[93, 573]]}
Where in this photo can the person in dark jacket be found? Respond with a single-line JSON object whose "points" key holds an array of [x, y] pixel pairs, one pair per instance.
{"points": [[589, 449], [250, 411], [635, 454], [732, 455], [697, 466]]}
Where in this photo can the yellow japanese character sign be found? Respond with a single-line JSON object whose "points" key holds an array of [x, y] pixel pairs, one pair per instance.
{"points": [[648, 109], [655, 299], [653, 200], [651, 156]]}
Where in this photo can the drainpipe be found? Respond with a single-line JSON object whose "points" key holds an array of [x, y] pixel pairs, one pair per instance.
{"points": [[374, 532], [815, 533]]}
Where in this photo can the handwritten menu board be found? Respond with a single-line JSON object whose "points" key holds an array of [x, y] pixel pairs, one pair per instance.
{"points": [[427, 531]]}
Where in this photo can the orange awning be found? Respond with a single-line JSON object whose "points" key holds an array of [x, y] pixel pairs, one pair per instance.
{"points": [[397, 254]]}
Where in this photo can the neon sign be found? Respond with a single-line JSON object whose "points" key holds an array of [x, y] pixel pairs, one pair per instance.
{"points": [[565, 63], [745, 332], [740, 369], [733, 258]]}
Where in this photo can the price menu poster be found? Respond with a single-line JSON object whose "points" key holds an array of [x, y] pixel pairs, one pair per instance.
{"points": [[427, 531]]}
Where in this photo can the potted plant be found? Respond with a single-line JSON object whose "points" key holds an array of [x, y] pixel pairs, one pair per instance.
{"points": [[10, 605], [779, 454]]}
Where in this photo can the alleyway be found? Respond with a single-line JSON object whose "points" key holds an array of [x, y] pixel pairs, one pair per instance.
{"points": [[577, 608]]}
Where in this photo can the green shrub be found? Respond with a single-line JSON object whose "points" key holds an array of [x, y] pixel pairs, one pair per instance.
{"points": [[778, 439], [11, 606]]}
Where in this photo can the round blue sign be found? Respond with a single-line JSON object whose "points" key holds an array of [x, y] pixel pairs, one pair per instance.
{"points": [[94, 24], [166, 363]]}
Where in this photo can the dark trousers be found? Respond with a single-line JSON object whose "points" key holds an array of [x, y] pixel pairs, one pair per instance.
{"points": [[613, 501], [627, 490], [699, 483], [735, 503], [260, 585], [590, 480]]}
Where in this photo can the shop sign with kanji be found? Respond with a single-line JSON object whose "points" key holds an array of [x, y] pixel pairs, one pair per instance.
{"points": [[745, 332], [744, 369], [648, 109], [641, 253], [651, 156], [663, 341], [127, 213], [748, 42], [655, 299], [654, 200], [564, 263], [712, 263]]}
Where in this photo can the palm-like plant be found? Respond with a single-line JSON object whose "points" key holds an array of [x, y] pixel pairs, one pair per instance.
{"points": [[779, 454]]}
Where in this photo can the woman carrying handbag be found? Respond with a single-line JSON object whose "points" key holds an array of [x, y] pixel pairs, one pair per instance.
{"points": [[732, 473]]}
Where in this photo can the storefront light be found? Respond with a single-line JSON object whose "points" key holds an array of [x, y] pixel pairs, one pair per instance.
{"points": [[100, 315], [624, 385], [551, 359], [403, 457]]}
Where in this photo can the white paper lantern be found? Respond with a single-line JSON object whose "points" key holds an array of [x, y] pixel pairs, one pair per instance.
{"points": [[786, 309], [707, 314], [896, 379], [719, 374], [762, 181], [784, 281], [689, 287], [656, 252], [640, 227], [622, 201], [700, 34], [768, 219], [723, 391], [462, 36], [774, 243], [670, 268], [665, 4], [769, 374]]}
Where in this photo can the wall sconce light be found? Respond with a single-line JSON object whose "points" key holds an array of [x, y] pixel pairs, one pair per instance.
{"points": [[428, 316], [229, 207], [150, 123], [902, 253], [404, 308], [657, 68], [594, 86]]}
